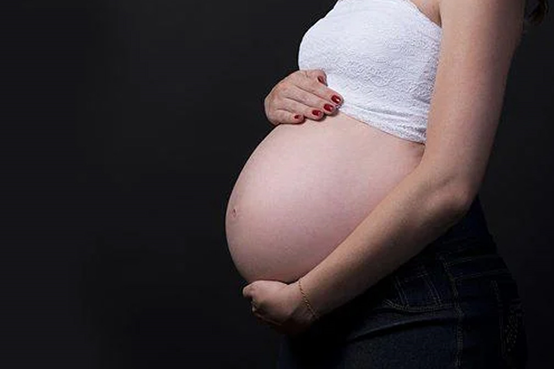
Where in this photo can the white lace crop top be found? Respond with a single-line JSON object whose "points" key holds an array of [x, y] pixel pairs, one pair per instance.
{"points": [[381, 56]]}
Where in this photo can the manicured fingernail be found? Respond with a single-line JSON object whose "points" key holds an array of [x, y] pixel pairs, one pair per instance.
{"points": [[297, 116], [317, 112], [328, 107], [336, 99]]}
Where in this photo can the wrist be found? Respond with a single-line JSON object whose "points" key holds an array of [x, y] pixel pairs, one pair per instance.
{"points": [[307, 305]]}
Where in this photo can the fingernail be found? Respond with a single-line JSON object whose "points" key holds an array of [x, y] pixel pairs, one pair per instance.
{"points": [[297, 116], [336, 99], [328, 107], [316, 112]]}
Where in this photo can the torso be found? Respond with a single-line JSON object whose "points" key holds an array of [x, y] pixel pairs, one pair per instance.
{"points": [[305, 188]]}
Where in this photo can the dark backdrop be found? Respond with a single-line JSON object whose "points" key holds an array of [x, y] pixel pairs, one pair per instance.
{"points": [[125, 125]]}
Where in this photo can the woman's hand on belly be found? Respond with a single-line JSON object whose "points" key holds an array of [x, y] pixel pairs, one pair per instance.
{"points": [[280, 305], [303, 93]]}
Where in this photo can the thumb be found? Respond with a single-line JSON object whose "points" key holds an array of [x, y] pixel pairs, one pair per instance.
{"points": [[247, 290]]}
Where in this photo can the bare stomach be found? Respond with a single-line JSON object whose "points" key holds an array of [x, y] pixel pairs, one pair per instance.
{"points": [[305, 188]]}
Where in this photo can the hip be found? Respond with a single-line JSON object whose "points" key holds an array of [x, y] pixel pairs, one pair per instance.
{"points": [[454, 305]]}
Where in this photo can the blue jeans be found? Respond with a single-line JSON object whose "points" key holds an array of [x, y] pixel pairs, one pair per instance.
{"points": [[455, 305]]}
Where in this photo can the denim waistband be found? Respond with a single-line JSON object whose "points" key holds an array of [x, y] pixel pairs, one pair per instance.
{"points": [[472, 226]]}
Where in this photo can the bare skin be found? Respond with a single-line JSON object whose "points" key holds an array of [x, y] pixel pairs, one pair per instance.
{"points": [[305, 188], [312, 180], [299, 95], [476, 52]]}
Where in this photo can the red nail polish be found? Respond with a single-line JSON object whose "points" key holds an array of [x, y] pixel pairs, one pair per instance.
{"points": [[328, 107], [297, 116], [336, 99], [316, 112]]}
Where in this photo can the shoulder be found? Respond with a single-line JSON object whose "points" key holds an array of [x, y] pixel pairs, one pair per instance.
{"points": [[479, 18]]}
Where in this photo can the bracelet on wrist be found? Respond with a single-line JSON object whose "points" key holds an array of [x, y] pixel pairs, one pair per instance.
{"points": [[305, 298]]}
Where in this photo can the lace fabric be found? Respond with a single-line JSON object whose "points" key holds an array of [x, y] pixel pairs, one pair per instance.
{"points": [[382, 56]]}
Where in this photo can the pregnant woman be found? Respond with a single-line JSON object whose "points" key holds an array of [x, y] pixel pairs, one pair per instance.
{"points": [[357, 221]]}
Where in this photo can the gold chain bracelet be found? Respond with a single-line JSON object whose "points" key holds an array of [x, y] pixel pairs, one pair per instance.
{"points": [[316, 316]]}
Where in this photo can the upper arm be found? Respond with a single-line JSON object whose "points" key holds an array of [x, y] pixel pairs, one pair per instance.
{"points": [[479, 38]]}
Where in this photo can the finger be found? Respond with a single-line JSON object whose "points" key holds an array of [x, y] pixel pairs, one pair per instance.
{"points": [[266, 319], [305, 103], [274, 108], [319, 74], [271, 325], [286, 116], [295, 100], [314, 87], [314, 107]]}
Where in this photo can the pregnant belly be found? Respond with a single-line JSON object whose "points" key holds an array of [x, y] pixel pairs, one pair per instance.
{"points": [[305, 188]]}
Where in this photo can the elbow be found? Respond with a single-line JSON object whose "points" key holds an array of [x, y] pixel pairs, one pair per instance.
{"points": [[450, 196], [457, 198], [452, 190]]}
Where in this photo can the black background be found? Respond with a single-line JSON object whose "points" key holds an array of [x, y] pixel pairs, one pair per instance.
{"points": [[125, 125]]}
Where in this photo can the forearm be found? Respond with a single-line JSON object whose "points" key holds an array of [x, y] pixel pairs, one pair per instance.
{"points": [[416, 212]]}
